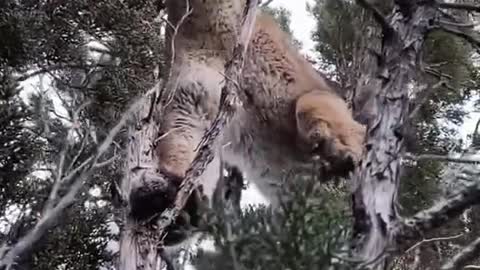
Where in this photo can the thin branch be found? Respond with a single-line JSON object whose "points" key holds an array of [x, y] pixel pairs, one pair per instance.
{"points": [[172, 86], [415, 227], [467, 254], [460, 6], [460, 25], [461, 33], [268, 2], [49, 69], [434, 240], [442, 158]]}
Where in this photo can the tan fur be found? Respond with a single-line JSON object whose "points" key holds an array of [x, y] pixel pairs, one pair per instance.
{"points": [[287, 111]]}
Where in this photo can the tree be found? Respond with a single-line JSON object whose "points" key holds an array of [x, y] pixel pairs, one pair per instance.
{"points": [[46, 42], [373, 56]]}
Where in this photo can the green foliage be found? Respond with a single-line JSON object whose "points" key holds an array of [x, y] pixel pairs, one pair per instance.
{"points": [[50, 36], [336, 31], [308, 231], [18, 146], [282, 16]]}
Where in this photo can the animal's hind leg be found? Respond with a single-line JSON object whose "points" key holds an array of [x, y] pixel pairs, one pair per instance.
{"points": [[186, 117], [326, 125]]}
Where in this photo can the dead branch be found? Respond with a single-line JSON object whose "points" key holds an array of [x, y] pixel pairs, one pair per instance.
{"points": [[467, 254]]}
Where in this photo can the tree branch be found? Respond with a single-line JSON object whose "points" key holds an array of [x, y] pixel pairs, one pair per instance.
{"points": [[459, 6], [442, 158], [437, 215]]}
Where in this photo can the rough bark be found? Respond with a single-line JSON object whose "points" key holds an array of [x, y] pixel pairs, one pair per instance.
{"points": [[387, 71], [376, 180]]}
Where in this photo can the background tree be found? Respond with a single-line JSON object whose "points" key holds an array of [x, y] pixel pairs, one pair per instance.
{"points": [[68, 71]]}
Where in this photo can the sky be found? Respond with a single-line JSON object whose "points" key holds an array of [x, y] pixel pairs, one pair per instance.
{"points": [[302, 23]]}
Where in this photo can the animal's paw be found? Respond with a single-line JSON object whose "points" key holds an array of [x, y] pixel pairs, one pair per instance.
{"points": [[341, 148], [155, 192]]}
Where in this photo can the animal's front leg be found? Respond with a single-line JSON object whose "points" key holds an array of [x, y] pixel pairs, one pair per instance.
{"points": [[326, 125]]}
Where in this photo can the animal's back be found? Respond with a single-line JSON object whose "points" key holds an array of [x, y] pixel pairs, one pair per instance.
{"points": [[263, 139]]}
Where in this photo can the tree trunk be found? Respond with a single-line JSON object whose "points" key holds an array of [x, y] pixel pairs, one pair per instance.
{"points": [[387, 71]]}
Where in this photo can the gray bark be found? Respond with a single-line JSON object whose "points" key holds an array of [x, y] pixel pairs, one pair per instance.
{"points": [[388, 71]]}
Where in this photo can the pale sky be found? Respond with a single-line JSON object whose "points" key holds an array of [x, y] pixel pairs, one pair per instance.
{"points": [[302, 23]]}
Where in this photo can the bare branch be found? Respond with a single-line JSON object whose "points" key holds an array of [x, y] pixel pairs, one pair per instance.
{"points": [[48, 69], [268, 2], [434, 240], [467, 254], [459, 6], [437, 215], [461, 33], [442, 158], [460, 25]]}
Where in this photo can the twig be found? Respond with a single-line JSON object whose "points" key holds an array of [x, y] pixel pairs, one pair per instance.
{"points": [[442, 158], [467, 254], [226, 111], [268, 2], [172, 86], [434, 240]]}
